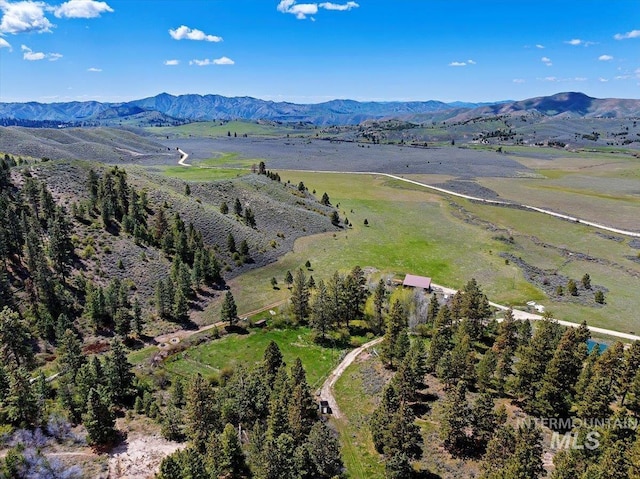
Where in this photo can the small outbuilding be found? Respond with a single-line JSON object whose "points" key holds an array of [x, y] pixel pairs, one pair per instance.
{"points": [[414, 281]]}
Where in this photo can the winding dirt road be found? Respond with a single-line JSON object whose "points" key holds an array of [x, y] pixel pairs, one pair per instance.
{"points": [[326, 392]]}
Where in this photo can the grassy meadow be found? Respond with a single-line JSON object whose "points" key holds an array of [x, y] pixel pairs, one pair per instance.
{"points": [[230, 350], [219, 128]]}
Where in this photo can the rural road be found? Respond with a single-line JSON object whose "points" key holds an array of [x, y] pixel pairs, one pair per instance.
{"points": [[326, 392], [183, 158], [522, 315], [461, 195], [181, 334]]}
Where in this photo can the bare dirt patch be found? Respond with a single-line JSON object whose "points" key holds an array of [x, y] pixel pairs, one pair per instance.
{"points": [[139, 457]]}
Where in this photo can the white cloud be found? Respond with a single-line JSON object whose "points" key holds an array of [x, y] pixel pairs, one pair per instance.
{"points": [[458, 64], [551, 79], [24, 16], [546, 61], [580, 79], [471, 62], [217, 61], [541, 47], [82, 9], [5, 44], [622, 77], [303, 10], [519, 80], [185, 33], [577, 42], [605, 58], [94, 70], [32, 56], [339, 7], [172, 62], [223, 61], [625, 36], [603, 80]]}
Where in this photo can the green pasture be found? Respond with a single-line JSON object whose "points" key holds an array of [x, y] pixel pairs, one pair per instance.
{"points": [[359, 456], [218, 128], [410, 231], [211, 357], [196, 173]]}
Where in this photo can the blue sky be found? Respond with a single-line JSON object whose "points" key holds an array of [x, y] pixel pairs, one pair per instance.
{"points": [[307, 52]]}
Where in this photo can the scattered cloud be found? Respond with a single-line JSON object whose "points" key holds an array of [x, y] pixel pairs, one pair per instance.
{"points": [[471, 62], [560, 80], [24, 16], [458, 64], [622, 77], [185, 33], [216, 61], [547, 61], [519, 80], [5, 44], [626, 36], [172, 63], [577, 42], [605, 58], [541, 47], [339, 7], [223, 61], [82, 9], [304, 10], [603, 80], [94, 70], [32, 56]]}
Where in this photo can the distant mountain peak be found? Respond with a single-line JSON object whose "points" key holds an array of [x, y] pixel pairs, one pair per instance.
{"points": [[195, 107]]}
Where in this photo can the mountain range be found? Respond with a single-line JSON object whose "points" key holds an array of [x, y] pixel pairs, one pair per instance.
{"points": [[167, 109]]}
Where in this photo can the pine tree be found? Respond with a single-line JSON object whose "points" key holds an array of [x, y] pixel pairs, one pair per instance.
{"points": [[21, 403], [237, 207], [180, 309], [396, 322], [15, 339], [403, 435], [441, 338], [231, 243], [323, 449], [320, 319], [455, 418], [118, 373], [272, 362], [201, 411], [70, 355], [232, 460], [99, 420], [60, 245], [224, 208], [288, 278], [499, 450], [229, 311], [300, 297], [383, 415], [325, 199]]}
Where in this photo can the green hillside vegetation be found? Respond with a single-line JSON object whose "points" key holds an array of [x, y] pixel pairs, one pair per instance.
{"points": [[226, 128]]}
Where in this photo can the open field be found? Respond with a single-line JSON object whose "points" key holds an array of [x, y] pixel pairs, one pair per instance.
{"points": [[413, 230], [357, 392], [222, 128], [311, 154], [209, 358], [410, 230]]}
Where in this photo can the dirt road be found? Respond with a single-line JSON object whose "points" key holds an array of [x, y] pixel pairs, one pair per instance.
{"points": [[326, 392]]}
